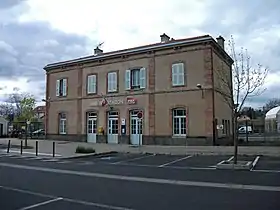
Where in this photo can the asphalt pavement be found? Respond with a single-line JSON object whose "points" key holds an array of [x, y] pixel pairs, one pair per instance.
{"points": [[137, 181]]}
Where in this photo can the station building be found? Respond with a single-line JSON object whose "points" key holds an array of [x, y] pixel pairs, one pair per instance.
{"points": [[162, 93]]}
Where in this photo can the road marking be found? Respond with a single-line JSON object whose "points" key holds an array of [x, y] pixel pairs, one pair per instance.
{"points": [[255, 162], [86, 203], [175, 161], [266, 171], [132, 159], [148, 180], [230, 159], [41, 204]]}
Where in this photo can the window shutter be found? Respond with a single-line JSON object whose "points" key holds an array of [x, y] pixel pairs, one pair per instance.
{"points": [[174, 74], [114, 81], [57, 87], [93, 83], [64, 85], [127, 79], [142, 78]]}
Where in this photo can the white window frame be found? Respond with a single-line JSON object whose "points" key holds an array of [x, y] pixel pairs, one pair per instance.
{"points": [[62, 123], [112, 82], [91, 84], [61, 87], [141, 79], [180, 117], [178, 74]]}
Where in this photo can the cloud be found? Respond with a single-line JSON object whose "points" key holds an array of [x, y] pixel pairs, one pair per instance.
{"points": [[36, 32], [26, 47]]}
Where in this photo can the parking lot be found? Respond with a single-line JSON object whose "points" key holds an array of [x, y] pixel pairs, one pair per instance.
{"points": [[71, 183], [203, 162]]}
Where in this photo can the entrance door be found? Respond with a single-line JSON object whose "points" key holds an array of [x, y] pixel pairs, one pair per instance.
{"points": [[113, 127], [135, 128], [91, 127]]}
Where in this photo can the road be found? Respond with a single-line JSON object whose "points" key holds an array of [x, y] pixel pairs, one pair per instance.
{"points": [[137, 181]]}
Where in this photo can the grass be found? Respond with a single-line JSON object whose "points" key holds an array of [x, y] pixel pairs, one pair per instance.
{"points": [[81, 149]]}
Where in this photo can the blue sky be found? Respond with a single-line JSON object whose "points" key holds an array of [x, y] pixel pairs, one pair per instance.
{"points": [[36, 32]]}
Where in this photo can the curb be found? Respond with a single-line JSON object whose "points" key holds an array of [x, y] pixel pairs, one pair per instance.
{"points": [[226, 165], [88, 155]]}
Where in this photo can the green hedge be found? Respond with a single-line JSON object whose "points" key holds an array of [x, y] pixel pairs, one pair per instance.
{"points": [[81, 149]]}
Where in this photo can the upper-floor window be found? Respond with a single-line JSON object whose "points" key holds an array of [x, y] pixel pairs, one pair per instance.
{"points": [[178, 74], [62, 123], [135, 78], [91, 84], [112, 83], [61, 87]]}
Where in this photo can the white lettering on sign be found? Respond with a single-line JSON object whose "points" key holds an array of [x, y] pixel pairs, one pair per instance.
{"points": [[115, 102], [131, 101]]}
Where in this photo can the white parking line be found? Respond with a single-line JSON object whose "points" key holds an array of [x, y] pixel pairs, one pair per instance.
{"points": [[265, 171], [228, 160], [175, 161], [86, 203], [132, 159], [255, 162], [41, 204]]}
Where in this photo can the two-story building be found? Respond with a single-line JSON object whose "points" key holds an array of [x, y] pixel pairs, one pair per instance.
{"points": [[162, 93]]}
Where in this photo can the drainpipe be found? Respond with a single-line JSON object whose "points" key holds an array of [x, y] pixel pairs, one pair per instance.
{"points": [[214, 126]]}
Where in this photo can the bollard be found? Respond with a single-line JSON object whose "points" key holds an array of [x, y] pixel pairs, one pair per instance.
{"points": [[53, 149], [36, 148], [9, 144], [21, 146]]}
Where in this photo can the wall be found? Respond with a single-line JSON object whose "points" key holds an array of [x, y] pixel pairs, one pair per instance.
{"points": [[5, 126]]}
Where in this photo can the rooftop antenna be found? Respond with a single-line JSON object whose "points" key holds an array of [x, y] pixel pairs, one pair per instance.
{"points": [[100, 44]]}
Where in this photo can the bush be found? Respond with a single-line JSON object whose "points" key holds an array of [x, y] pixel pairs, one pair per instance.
{"points": [[81, 149]]}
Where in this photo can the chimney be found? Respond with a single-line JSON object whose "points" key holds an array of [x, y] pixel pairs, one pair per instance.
{"points": [[97, 51], [164, 38], [221, 41]]}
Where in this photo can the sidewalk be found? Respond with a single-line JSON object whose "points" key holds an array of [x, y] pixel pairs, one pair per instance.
{"points": [[65, 149]]}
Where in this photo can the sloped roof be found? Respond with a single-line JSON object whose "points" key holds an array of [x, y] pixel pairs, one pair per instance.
{"points": [[271, 114]]}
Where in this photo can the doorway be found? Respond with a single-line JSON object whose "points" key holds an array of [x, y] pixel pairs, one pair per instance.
{"points": [[113, 127], [136, 128], [91, 127]]}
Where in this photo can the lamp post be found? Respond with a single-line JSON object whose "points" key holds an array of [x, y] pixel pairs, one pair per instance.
{"points": [[46, 117]]}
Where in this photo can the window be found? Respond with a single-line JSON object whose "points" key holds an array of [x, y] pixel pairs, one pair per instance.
{"points": [[178, 74], [61, 87], [91, 84], [179, 122], [135, 78], [112, 82], [62, 123]]}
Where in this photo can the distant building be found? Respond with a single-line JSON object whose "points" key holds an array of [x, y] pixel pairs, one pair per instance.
{"points": [[272, 120], [3, 126], [40, 112]]}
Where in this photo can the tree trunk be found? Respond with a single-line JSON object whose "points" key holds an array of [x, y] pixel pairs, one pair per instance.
{"points": [[235, 140]]}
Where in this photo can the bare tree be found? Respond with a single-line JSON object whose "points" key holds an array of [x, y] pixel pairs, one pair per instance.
{"points": [[272, 103], [238, 84]]}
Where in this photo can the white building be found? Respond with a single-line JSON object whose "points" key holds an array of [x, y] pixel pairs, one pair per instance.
{"points": [[272, 120], [3, 126]]}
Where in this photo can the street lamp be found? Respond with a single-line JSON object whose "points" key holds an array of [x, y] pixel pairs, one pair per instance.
{"points": [[46, 113], [199, 86]]}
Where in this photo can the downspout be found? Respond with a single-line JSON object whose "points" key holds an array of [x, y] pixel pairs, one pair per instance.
{"points": [[214, 126]]}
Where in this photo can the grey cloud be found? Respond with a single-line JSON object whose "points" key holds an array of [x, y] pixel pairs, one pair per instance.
{"points": [[26, 47], [4, 4]]}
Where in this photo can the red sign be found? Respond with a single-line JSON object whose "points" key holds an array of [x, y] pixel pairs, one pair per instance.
{"points": [[104, 102], [139, 114], [131, 101]]}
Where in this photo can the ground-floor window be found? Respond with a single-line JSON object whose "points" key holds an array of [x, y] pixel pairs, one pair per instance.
{"points": [[62, 123], [179, 119], [92, 122]]}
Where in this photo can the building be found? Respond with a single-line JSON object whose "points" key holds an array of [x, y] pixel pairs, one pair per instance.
{"points": [[272, 120], [3, 127], [39, 112], [172, 83]]}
